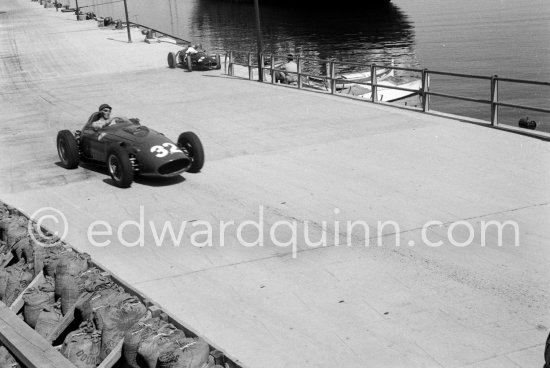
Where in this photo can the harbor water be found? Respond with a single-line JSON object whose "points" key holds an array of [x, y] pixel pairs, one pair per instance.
{"points": [[508, 38]]}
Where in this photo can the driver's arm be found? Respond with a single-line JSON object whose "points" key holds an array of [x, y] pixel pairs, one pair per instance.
{"points": [[98, 124], [108, 122]]}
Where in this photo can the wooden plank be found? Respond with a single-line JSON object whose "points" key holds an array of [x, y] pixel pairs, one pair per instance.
{"points": [[18, 303], [155, 310], [67, 319], [27, 345], [113, 357]]}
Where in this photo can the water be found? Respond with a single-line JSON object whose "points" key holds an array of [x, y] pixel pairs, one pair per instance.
{"points": [[510, 38]]}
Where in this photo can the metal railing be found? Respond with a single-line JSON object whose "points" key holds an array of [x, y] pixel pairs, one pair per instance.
{"points": [[330, 80]]}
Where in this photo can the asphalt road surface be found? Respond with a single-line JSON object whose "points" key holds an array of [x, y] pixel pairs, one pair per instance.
{"points": [[432, 287]]}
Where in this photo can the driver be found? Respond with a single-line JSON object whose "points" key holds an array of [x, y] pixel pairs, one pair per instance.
{"points": [[104, 117], [191, 50]]}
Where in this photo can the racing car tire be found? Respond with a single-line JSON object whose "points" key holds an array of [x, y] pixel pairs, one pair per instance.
{"points": [[192, 144], [172, 60], [120, 167], [67, 149]]}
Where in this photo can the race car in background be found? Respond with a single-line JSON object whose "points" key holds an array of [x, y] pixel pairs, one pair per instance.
{"points": [[193, 58]]}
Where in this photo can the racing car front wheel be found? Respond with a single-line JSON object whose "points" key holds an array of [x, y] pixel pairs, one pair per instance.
{"points": [[67, 148], [120, 167], [171, 60], [192, 144]]}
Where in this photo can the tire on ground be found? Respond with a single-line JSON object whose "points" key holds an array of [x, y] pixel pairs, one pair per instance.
{"points": [[192, 144], [120, 167], [67, 148], [172, 60]]}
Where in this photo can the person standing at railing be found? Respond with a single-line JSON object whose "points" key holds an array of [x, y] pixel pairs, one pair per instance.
{"points": [[282, 75]]}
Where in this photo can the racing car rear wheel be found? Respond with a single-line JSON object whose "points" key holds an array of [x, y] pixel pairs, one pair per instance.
{"points": [[120, 167], [67, 148], [192, 144], [172, 60]]}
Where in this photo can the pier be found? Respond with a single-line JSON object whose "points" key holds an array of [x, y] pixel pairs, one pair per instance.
{"points": [[288, 155]]}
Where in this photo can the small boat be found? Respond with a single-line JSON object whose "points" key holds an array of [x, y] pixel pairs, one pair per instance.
{"points": [[390, 94], [347, 80]]}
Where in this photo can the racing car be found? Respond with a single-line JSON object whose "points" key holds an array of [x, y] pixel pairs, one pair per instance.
{"points": [[129, 148], [199, 61]]}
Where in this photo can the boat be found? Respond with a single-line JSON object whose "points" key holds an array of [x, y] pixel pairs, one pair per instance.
{"points": [[348, 80], [390, 94]]}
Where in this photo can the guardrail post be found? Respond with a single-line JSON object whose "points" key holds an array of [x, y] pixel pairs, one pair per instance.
{"points": [[374, 87], [250, 71], [261, 68], [272, 66], [127, 21], [327, 73], [230, 69], [225, 65], [332, 76], [299, 67], [425, 90], [494, 100]]}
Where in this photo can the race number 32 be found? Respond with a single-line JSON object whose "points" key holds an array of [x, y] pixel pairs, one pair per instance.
{"points": [[165, 149]]}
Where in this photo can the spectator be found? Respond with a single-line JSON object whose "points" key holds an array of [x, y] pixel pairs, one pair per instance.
{"points": [[285, 73]]}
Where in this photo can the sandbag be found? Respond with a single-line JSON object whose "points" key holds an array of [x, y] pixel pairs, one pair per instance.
{"points": [[152, 346], [3, 210], [23, 249], [16, 230], [48, 319], [48, 286], [52, 257], [116, 320], [194, 354], [135, 335], [36, 299], [69, 266], [167, 338], [7, 360], [42, 257], [92, 301], [3, 282], [86, 276], [82, 347], [19, 277], [94, 280], [6, 219], [4, 250]]}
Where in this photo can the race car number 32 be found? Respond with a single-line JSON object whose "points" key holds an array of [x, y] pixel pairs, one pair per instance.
{"points": [[165, 149]]}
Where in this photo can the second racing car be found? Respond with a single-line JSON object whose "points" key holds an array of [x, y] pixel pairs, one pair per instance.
{"points": [[193, 58]]}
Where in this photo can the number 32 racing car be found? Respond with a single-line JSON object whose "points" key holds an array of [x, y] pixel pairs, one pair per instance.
{"points": [[129, 148]]}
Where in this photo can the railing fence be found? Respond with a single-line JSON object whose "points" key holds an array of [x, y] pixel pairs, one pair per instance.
{"points": [[330, 80]]}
